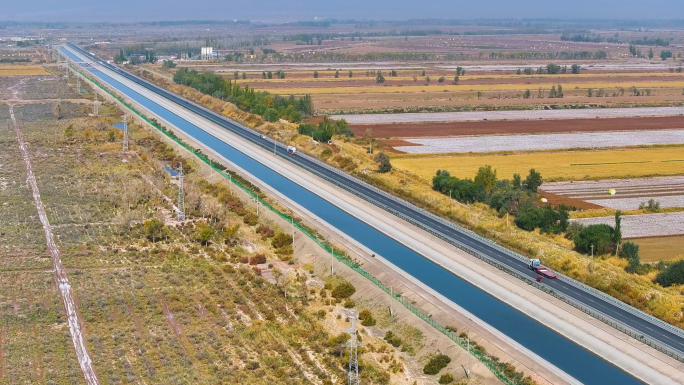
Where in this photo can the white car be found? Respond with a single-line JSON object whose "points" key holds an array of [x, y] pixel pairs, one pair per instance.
{"points": [[262, 136]]}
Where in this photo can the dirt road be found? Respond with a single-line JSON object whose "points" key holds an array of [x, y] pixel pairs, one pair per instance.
{"points": [[65, 290]]}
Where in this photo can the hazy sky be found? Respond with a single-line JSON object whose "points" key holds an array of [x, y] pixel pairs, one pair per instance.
{"points": [[288, 10]]}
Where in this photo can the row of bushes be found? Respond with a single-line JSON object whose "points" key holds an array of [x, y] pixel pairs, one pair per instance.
{"points": [[325, 129]]}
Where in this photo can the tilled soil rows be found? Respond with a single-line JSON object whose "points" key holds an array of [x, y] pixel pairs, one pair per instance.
{"points": [[491, 127]]}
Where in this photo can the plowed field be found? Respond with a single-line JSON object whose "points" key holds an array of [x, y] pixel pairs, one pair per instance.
{"points": [[491, 127]]}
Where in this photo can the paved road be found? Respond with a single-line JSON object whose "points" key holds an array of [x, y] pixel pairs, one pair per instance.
{"points": [[656, 330]]}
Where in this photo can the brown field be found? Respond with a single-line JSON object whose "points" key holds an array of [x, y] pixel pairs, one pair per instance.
{"points": [[556, 200], [654, 249], [415, 130]]}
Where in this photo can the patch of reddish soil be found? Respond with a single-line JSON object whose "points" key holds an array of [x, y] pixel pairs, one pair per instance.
{"points": [[390, 144], [493, 127], [556, 200]]}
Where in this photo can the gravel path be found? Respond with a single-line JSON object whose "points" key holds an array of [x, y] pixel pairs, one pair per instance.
{"points": [[509, 115], [646, 225], [67, 293], [542, 141]]}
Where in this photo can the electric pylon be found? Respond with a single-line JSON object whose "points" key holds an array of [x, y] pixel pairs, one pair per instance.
{"points": [[181, 196], [352, 344], [96, 109], [125, 134]]}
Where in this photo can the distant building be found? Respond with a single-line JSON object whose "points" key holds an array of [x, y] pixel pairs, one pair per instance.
{"points": [[207, 53]]}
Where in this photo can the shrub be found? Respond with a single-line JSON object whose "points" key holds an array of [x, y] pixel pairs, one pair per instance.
{"points": [[573, 229], [257, 259], [349, 304], [366, 318], [392, 339], [436, 363], [265, 231], [672, 275], [280, 240], [600, 236], [384, 161], [446, 378], [250, 219], [343, 290], [629, 250]]}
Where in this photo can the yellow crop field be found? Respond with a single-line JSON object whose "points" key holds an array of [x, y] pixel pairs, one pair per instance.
{"points": [[660, 248], [569, 165], [22, 71], [478, 87]]}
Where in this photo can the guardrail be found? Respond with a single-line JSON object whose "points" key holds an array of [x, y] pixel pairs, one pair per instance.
{"points": [[595, 313]]}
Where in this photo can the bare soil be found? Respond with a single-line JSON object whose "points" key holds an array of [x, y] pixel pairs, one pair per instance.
{"points": [[415, 130], [556, 200]]}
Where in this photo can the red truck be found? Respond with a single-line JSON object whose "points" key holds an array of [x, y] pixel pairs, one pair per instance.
{"points": [[542, 270]]}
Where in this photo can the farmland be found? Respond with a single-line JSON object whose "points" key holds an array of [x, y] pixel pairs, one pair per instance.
{"points": [[493, 127], [28, 70], [496, 143], [563, 165]]}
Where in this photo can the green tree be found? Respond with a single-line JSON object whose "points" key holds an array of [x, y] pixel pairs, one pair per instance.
{"points": [[533, 181], [617, 233], [590, 92], [456, 79], [576, 68], [516, 183], [384, 161], [650, 54], [446, 378], [600, 236], [379, 79], [351, 73], [486, 177], [664, 55], [270, 75], [205, 235], [337, 74], [629, 250], [672, 275], [441, 79], [154, 229], [526, 94], [315, 74]]}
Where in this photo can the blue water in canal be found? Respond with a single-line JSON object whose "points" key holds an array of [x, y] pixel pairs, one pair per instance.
{"points": [[563, 353]]}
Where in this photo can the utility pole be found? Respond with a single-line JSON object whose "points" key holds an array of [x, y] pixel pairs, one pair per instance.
{"points": [[125, 134], [391, 298], [468, 371], [181, 197], [292, 224], [274, 146], [332, 259], [592, 250], [256, 199], [353, 370], [78, 84]]}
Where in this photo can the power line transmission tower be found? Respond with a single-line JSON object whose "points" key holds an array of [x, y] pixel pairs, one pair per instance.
{"points": [[352, 344], [181, 197], [96, 109], [125, 134]]}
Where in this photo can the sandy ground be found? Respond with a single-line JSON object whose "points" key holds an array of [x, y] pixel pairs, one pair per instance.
{"points": [[493, 127], [510, 115]]}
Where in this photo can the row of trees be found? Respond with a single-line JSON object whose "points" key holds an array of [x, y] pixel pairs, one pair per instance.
{"points": [[516, 197], [270, 107], [550, 68]]}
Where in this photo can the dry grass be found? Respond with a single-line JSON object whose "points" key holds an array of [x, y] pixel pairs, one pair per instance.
{"points": [[571, 165], [29, 70], [660, 248]]}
